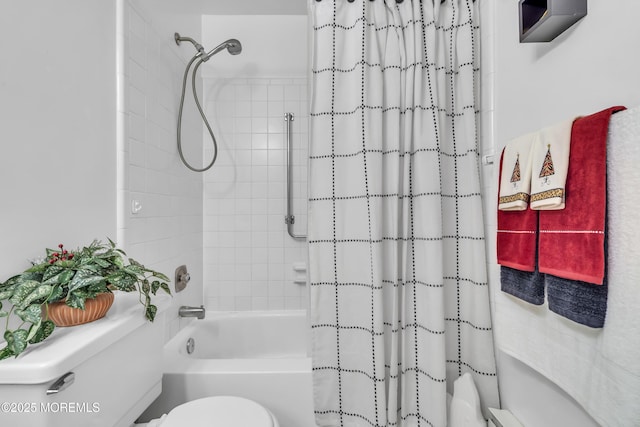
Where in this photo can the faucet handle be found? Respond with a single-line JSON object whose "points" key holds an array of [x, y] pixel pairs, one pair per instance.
{"points": [[182, 278]]}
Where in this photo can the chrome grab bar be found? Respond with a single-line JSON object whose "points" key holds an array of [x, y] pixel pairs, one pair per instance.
{"points": [[290, 218]]}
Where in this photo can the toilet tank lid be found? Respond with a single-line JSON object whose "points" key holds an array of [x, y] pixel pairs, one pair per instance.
{"points": [[219, 411], [68, 347]]}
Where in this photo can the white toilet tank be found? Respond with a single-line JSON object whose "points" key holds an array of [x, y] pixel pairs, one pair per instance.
{"points": [[111, 370]]}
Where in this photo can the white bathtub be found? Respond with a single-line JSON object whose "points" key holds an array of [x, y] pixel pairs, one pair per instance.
{"points": [[259, 355]]}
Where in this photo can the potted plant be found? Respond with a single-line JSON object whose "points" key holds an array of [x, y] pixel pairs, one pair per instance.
{"points": [[75, 278]]}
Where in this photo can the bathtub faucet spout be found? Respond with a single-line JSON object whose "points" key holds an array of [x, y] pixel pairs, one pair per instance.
{"points": [[186, 311]]}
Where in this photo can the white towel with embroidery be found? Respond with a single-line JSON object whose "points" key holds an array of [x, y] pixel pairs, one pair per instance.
{"points": [[550, 163], [515, 180]]}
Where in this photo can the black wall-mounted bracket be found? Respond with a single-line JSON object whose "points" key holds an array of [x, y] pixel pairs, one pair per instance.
{"points": [[544, 20]]}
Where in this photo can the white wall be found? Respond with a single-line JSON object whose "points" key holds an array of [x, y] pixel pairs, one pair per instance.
{"points": [[88, 107], [272, 45], [58, 127], [588, 68], [167, 230], [248, 255]]}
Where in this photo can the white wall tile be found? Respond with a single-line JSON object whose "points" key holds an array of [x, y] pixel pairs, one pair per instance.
{"points": [[168, 231], [242, 108], [254, 224], [259, 92], [293, 303], [241, 303], [259, 109]]}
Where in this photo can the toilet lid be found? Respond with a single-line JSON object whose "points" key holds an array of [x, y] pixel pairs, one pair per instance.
{"points": [[219, 411]]}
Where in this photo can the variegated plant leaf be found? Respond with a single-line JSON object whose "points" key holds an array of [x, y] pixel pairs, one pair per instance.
{"points": [[21, 292], [16, 340], [4, 294], [134, 269], [75, 300], [83, 279], [160, 276], [165, 287], [40, 293], [118, 262], [56, 294], [33, 329], [151, 311], [5, 352], [62, 277], [122, 280], [43, 331], [31, 314], [50, 272], [10, 283]]}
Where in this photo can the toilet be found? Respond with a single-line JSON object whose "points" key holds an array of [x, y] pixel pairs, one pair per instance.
{"points": [[217, 411]]}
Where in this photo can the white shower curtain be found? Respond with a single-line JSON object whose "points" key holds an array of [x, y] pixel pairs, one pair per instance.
{"points": [[399, 296]]}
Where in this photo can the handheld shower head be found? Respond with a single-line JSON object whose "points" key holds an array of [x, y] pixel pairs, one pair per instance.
{"points": [[233, 46]]}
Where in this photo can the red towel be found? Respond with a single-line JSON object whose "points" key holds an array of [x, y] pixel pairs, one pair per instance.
{"points": [[571, 242], [516, 237]]}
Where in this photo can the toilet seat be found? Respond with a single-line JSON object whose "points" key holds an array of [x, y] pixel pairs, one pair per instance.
{"points": [[220, 411]]}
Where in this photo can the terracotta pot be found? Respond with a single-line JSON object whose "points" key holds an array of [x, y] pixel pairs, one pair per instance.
{"points": [[63, 315]]}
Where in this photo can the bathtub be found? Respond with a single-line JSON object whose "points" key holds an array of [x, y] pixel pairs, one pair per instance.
{"points": [[259, 355]]}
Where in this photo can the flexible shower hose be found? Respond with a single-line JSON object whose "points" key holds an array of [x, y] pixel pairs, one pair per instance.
{"points": [[204, 118]]}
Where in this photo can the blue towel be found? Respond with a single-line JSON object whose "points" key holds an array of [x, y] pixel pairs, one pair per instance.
{"points": [[526, 285], [582, 302]]}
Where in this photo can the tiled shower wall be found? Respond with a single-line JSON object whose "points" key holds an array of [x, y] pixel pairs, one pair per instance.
{"points": [[165, 228], [250, 261]]}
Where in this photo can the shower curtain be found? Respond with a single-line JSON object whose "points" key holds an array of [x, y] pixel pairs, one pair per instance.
{"points": [[399, 297]]}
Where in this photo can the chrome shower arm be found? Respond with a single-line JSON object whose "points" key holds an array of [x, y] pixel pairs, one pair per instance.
{"points": [[179, 39]]}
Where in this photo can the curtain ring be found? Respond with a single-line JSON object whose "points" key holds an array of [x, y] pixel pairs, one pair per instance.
{"points": [[399, 1], [350, 1]]}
